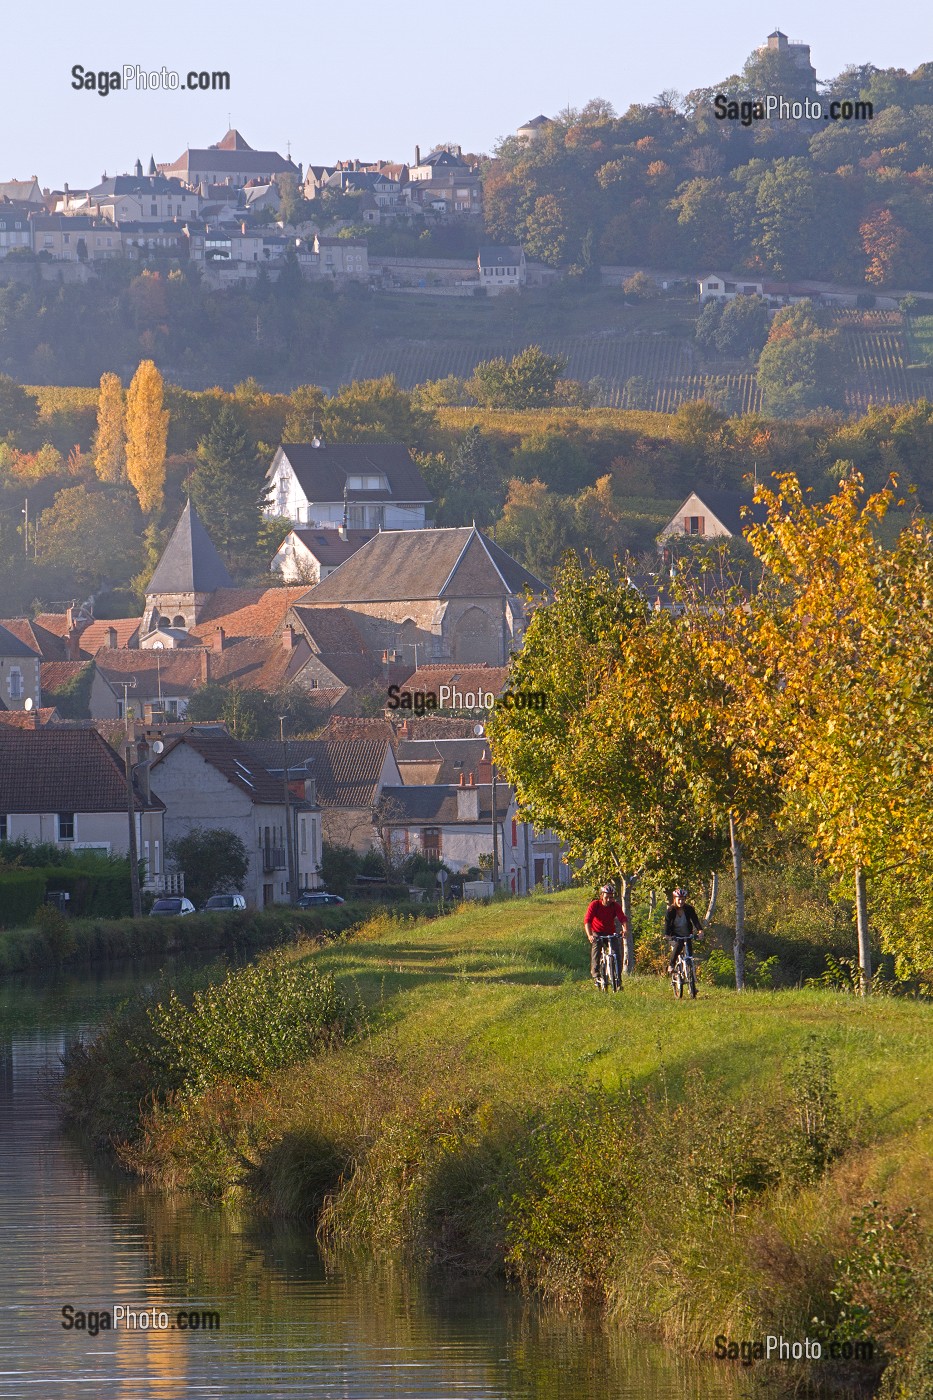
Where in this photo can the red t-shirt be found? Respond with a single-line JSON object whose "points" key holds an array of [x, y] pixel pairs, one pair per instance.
{"points": [[602, 917]]}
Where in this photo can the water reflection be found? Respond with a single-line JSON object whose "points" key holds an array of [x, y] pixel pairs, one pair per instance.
{"points": [[71, 1233]]}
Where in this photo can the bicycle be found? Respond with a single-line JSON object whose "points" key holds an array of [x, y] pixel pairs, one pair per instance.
{"points": [[607, 967], [684, 974]]}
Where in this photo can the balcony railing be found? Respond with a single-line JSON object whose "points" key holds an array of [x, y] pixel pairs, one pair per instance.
{"points": [[273, 858]]}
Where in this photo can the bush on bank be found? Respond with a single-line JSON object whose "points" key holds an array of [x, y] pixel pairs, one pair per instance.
{"points": [[73, 941]]}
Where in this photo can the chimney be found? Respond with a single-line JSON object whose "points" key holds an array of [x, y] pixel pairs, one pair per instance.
{"points": [[485, 769], [289, 638], [219, 638], [73, 641], [311, 791], [461, 780], [472, 782], [111, 637], [417, 155], [403, 731], [205, 667], [468, 804], [342, 533]]}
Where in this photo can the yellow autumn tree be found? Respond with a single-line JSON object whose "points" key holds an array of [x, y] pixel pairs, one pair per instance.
{"points": [[109, 440], [146, 434]]}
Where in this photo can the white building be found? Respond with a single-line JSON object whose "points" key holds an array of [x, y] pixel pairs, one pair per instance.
{"points": [[362, 486]]}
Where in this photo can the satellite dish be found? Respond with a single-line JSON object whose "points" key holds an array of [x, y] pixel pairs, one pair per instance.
{"points": [[478, 730], [28, 703], [157, 746]]}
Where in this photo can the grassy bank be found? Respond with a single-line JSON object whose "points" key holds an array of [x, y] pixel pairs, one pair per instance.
{"points": [[72, 942], [738, 1166]]}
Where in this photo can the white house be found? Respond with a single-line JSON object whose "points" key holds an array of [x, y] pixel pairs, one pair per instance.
{"points": [[307, 556], [68, 787], [362, 486], [709, 513], [208, 779], [501, 268]]}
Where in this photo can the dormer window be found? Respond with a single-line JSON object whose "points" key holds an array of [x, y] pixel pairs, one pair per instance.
{"points": [[374, 481]]}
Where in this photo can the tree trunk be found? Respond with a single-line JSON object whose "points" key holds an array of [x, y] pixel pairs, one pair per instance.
{"points": [[713, 896], [739, 877], [628, 941], [861, 921]]}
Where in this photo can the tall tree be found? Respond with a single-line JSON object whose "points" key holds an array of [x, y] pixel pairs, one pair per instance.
{"points": [[228, 487], [146, 435], [110, 438]]}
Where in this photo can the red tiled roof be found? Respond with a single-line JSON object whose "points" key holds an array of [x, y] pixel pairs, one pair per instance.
{"points": [[246, 612], [62, 770], [94, 635], [55, 674], [30, 719], [50, 645]]}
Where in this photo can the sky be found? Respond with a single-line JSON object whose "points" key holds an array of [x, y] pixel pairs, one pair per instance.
{"points": [[371, 79]]}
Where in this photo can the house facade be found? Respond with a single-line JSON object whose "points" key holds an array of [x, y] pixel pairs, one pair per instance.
{"points": [[207, 779], [307, 556], [710, 514], [20, 675], [501, 268], [362, 486], [68, 787]]}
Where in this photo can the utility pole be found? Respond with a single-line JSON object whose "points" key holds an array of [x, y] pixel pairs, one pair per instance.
{"points": [[131, 813], [26, 528], [495, 835], [289, 842]]}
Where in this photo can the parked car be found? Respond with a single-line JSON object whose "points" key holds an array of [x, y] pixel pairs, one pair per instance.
{"points": [[172, 904], [308, 899], [225, 901]]}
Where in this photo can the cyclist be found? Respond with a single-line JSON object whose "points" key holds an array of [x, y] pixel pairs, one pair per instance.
{"points": [[681, 926], [600, 921]]}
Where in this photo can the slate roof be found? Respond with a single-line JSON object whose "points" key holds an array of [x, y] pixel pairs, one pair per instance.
{"points": [[408, 565], [233, 760], [190, 563], [328, 548], [143, 185], [447, 757], [12, 645], [346, 771], [62, 770], [495, 255], [436, 805], [726, 506], [322, 472]]}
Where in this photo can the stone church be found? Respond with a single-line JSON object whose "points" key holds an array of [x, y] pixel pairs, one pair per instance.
{"points": [[431, 595]]}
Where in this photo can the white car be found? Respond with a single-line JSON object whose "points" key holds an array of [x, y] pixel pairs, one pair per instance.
{"points": [[172, 904]]}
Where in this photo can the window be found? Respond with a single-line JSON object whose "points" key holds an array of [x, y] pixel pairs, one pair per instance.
{"points": [[4, 827], [157, 869], [694, 524], [66, 826], [15, 683], [431, 842]]}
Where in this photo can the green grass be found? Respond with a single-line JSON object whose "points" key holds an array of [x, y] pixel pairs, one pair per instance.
{"points": [[692, 1167]]}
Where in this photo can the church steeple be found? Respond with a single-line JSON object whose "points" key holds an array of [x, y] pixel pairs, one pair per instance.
{"points": [[189, 571]]}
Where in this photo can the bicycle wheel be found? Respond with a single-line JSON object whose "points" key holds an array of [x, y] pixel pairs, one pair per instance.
{"points": [[692, 979], [678, 980], [614, 970], [605, 974]]}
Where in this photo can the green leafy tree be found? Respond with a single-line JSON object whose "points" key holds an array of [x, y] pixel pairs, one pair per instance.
{"points": [[228, 487], [18, 412], [798, 369], [91, 534], [214, 861], [376, 409], [528, 380]]}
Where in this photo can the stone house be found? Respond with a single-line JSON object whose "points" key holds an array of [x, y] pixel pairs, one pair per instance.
{"points": [[20, 677]]}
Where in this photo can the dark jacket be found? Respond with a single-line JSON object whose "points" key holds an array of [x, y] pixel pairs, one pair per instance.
{"points": [[693, 921]]}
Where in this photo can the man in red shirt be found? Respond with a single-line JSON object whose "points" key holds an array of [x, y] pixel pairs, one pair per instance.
{"points": [[600, 921]]}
